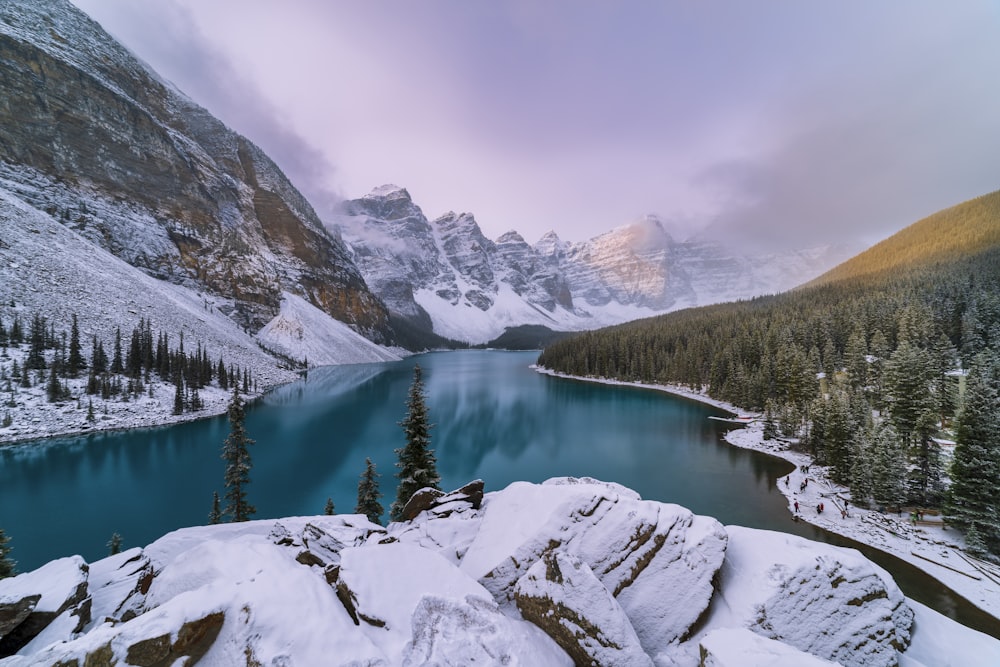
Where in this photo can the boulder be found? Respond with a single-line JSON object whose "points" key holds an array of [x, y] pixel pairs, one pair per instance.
{"points": [[828, 601], [381, 586], [192, 641], [61, 587], [657, 560], [475, 632], [442, 504], [421, 501], [118, 585], [561, 595], [14, 610]]}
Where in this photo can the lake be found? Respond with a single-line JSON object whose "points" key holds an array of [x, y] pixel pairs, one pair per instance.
{"points": [[495, 419]]}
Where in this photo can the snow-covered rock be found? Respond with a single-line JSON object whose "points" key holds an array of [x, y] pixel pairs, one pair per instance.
{"points": [[658, 560], [738, 647], [828, 601], [61, 605], [607, 579], [561, 595]]}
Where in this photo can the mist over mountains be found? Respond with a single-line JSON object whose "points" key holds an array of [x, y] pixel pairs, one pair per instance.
{"points": [[445, 276]]}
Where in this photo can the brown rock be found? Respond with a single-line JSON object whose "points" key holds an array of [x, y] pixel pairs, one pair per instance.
{"points": [[13, 613], [193, 641], [422, 500]]}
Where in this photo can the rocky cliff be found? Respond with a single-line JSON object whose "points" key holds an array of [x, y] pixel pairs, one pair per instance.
{"points": [[572, 571], [93, 137]]}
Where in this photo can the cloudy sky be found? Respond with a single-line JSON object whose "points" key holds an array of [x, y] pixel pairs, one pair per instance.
{"points": [[779, 121]]}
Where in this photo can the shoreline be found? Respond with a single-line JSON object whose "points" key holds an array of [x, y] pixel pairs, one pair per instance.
{"points": [[936, 551]]}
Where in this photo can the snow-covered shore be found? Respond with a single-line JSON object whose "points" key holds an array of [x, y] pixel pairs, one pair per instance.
{"points": [[929, 546]]}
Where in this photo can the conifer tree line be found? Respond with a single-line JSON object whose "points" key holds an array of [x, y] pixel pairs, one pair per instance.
{"points": [[864, 372], [117, 368]]}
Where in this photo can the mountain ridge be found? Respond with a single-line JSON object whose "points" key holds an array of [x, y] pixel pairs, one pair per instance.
{"points": [[444, 276], [87, 125], [960, 230]]}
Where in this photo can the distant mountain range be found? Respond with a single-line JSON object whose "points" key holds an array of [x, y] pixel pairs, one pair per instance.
{"points": [[445, 276]]}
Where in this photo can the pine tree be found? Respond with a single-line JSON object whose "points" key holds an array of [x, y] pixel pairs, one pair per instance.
{"points": [[369, 495], [114, 544], [75, 363], [8, 566], [417, 465], [215, 516], [328, 510], [116, 361], [237, 456], [974, 499], [179, 397], [53, 389], [888, 465]]}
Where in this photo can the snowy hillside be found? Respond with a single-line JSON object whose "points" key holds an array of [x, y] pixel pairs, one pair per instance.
{"points": [[50, 270], [445, 276], [572, 571]]}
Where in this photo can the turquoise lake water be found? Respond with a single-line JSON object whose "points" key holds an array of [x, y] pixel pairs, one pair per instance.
{"points": [[495, 419]]}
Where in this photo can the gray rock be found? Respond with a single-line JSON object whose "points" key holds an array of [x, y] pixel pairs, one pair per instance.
{"points": [[561, 595]]}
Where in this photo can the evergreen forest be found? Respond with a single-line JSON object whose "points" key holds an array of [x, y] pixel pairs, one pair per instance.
{"points": [[870, 367]]}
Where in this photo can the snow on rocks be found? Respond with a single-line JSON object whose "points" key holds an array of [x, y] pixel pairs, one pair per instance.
{"points": [[738, 647], [55, 599], [657, 559], [569, 571], [561, 595], [475, 632], [828, 601]]}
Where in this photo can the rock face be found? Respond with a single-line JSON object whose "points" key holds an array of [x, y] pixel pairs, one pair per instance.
{"points": [[46, 605], [561, 595], [572, 571], [93, 137], [445, 276], [839, 606]]}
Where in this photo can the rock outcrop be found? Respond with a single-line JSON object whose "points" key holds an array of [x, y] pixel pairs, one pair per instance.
{"points": [[561, 595], [47, 605], [572, 571], [836, 605]]}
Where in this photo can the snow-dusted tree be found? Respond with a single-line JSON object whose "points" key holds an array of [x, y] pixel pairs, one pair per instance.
{"points": [[861, 467], [417, 465], [236, 453], [7, 565], [179, 396], [75, 362], [368, 494], [114, 544], [116, 361], [887, 457], [329, 509], [974, 499], [215, 516]]}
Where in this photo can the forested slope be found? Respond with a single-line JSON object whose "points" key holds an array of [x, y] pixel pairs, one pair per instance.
{"points": [[863, 365]]}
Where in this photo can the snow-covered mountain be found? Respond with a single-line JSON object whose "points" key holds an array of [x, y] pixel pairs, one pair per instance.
{"points": [[94, 138], [445, 275], [571, 571]]}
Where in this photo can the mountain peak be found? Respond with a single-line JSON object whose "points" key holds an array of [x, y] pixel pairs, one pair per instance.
{"points": [[388, 191]]}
